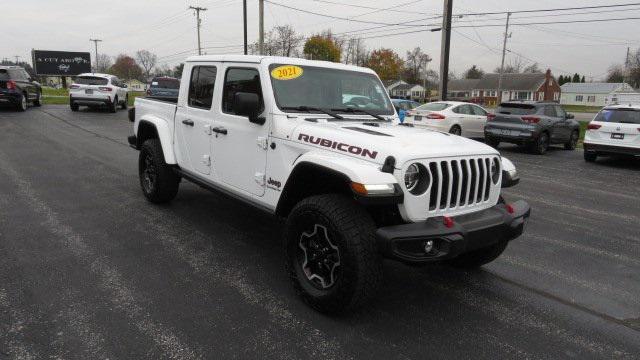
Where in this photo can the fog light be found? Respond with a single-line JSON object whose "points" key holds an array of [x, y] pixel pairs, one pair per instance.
{"points": [[428, 246]]}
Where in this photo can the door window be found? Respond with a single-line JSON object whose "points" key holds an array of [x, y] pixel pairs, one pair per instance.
{"points": [[550, 111], [201, 87], [478, 111], [240, 80], [463, 109], [560, 112]]}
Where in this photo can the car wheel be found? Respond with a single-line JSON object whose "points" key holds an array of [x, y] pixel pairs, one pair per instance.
{"points": [[477, 258], [494, 143], [455, 130], [573, 141], [113, 106], [38, 100], [158, 180], [542, 144], [331, 253], [125, 104], [590, 156], [22, 105], [74, 106]]}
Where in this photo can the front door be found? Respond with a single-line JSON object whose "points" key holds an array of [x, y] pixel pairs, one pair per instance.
{"points": [[239, 145], [194, 119]]}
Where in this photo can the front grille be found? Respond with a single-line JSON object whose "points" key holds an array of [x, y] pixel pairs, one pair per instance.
{"points": [[459, 183]]}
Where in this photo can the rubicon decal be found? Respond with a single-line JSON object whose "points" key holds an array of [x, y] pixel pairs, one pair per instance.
{"points": [[351, 149]]}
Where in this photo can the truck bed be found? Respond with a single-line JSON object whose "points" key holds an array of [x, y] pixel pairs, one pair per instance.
{"points": [[163, 110]]}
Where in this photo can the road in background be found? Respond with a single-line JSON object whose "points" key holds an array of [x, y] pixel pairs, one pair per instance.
{"points": [[90, 269]]}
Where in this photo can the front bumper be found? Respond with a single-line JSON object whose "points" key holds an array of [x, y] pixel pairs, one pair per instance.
{"points": [[611, 149], [469, 232]]}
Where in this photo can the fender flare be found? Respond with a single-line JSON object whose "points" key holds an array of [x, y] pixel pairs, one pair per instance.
{"points": [[164, 135], [356, 170]]}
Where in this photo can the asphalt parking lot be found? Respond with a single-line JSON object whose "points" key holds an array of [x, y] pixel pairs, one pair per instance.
{"points": [[90, 270]]}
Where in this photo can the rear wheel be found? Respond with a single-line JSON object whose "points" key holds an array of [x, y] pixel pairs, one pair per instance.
{"points": [[22, 105], [455, 130], [158, 180], [113, 106], [573, 141], [124, 104], [590, 156], [541, 145], [332, 259], [74, 106]]}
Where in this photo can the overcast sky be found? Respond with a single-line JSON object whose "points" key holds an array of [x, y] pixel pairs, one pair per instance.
{"points": [[167, 28]]}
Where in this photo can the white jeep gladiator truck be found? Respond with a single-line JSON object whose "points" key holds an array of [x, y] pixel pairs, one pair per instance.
{"points": [[319, 145]]}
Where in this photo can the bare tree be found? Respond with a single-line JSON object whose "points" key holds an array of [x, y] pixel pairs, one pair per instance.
{"points": [[280, 41], [104, 62], [532, 69], [147, 60], [514, 66]]}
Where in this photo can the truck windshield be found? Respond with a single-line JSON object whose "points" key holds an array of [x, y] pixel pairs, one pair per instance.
{"points": [[341, 91], [623, 116]]}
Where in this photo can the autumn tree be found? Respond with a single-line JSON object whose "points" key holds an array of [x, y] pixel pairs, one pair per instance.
{"points": [[474, 72], [386, 63], [323, 47], [125, 67], [147, 60]]}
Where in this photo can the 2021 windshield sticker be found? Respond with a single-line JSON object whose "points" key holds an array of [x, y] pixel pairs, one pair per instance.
{"points": [[287, 72]]}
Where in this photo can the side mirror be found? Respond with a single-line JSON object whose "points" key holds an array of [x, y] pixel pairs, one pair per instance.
{"points": [[570, 116], [248, 104], [125, 86]]}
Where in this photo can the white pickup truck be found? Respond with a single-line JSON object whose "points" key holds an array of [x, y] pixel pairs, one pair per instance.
{"points": [[319, 145]]}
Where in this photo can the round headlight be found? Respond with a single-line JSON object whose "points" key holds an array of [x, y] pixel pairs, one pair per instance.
{"points": [[495, 170], [411, 177]]}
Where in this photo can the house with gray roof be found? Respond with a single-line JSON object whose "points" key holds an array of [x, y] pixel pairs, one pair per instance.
{"points": [[595, 94]]}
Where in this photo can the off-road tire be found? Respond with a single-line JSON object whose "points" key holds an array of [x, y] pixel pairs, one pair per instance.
{"points": [[125, 104], [477, 258], [590, 156], [113, 106], [541, 144], [38, 101], [455, 130], [74, 106], [164, 186], [494, 143], [350, 228], [573, 141]]}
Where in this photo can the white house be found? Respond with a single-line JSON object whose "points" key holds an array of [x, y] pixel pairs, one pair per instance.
{"points": [[136, 85], [409, 91], [392, 84], [593, 94]]}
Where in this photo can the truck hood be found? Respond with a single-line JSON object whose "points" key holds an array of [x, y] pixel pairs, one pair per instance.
{"points": [[374, 141]]}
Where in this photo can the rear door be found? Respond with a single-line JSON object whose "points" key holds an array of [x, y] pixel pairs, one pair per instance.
{"points": [[465, 117], [194, 118], [479, 121]]}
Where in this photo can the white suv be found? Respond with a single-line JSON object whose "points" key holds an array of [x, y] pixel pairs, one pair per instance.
{"points": [[98, 90], [614, 131]]}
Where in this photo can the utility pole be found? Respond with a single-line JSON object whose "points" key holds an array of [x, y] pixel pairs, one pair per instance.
{"points": [[244, 13], [445, 46], [261, 27], [626, 67], [504, 51], [96, 41], [17, 59], [198, 9]]}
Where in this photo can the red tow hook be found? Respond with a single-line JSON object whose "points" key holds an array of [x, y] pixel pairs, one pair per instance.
{"points": [[448, 222]]}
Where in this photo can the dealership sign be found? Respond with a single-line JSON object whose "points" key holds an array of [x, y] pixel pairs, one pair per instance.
{"points": [[61, 63]]}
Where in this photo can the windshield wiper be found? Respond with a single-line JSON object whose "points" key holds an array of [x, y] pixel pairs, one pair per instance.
{"points": [[354, 110], [310, 109]]}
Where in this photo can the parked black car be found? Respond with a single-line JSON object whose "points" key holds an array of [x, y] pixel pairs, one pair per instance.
{"points": [[164, 88], [533, 124], [17, 88]]}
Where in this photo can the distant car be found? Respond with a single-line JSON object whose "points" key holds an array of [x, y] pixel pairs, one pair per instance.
{"points": [[458, 118], [18, 89], [164, 88], [95, 90], [533, 124], [402, 106], [614, 131]]}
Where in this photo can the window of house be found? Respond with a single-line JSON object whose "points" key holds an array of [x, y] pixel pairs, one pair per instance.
{"points": [[591, 98], [475, 93], [201, 87], [522, 95], [579, 98], [556, 96], [240, 80]]}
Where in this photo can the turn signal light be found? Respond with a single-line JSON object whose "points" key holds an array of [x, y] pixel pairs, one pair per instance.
{"points": [[448, 222], [531, 119], [593, 126], [491, 117], [436, 116]]}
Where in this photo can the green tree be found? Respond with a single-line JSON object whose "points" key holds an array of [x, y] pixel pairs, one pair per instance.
{"points": [[386, 63], [322, 47], [575, 78], [474, 72], [177, 71], [583, 79]]}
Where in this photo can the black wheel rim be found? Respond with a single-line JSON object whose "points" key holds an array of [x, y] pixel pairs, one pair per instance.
{"points": [[318, 257], [149, 174], [574, 140]]}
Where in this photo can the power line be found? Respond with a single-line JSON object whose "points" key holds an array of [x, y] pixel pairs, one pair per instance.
{"points": [[373, 8], [550, 10]]}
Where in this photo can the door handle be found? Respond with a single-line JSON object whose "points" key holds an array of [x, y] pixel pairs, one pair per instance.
{"points": [[219, 130], [187, 122]]}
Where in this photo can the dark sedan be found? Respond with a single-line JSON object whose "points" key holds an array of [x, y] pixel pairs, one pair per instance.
{"points": [[533, 124]]}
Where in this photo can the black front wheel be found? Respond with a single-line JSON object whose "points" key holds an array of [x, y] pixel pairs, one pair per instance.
{"points": [[494, 143], [38, 100], [331, 253], [158, 181], [573, 141]]}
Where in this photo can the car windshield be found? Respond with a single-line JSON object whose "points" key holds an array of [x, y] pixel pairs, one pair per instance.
{"points": [[91, 80], [4, 75], [166, 84], [303, 87], [624, 116], [436, 106], [516, 109]]}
